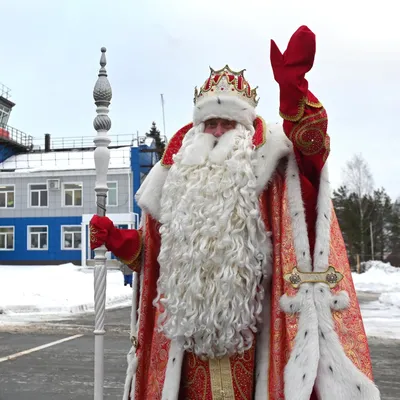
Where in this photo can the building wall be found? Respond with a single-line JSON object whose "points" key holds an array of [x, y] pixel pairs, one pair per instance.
{"points": [[54, 254], [55, 206], [55, 215]]}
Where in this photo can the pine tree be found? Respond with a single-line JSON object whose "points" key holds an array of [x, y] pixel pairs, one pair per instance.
{"points": [[394, 256], [155, 134], [380, 217], [346, 207]]}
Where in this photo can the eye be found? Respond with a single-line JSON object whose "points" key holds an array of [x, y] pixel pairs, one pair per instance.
{"points": [[229, 124]]}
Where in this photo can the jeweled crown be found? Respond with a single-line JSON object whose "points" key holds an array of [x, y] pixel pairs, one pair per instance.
{"points": [[227, 82]]}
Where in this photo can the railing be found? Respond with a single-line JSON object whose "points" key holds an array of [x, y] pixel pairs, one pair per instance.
{"points": [[4, 91], [86, 142], [14, 135]]}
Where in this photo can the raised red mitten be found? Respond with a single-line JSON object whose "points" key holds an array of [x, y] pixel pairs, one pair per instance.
{"points": [[289, 71]]}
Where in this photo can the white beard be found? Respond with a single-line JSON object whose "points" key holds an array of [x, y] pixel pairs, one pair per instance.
{"points": [[214, 246]]}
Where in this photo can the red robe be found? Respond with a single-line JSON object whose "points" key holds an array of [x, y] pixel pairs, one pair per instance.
{"points": [[235, 377]]}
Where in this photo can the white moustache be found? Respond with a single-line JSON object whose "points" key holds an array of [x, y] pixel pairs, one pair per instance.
{"points": [[206, 147]]}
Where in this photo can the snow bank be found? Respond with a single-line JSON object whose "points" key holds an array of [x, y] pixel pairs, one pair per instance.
{"points": [[380, 278], [56, 289]]}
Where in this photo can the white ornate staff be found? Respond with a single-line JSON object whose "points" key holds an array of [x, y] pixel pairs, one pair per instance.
{"points": [[102, 95]]}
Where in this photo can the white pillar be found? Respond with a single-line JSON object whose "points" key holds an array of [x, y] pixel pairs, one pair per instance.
{"points": [[102, 95]]}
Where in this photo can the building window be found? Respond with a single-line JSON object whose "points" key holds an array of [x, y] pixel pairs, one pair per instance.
{"points": [[112, 196], [6, 238], [37, 237], [38, 195], [4, 114], [72, 194], [71, 237], [7, 196]]}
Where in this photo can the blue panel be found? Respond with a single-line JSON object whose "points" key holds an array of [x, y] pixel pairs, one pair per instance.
{"points": [[6, 151], [54, 252], [135, 166]]}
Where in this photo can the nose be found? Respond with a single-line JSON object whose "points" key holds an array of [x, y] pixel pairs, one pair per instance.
{"points": [[219, 131]]}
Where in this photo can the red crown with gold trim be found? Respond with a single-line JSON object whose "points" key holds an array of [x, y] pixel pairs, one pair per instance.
{"points": [[227, 82]]}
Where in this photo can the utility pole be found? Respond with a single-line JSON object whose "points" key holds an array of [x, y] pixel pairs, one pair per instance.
{"points": [[163, 114], [372, 241]]}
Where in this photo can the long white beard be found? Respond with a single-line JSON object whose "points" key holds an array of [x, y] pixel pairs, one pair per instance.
{"points": [[214, 246]]}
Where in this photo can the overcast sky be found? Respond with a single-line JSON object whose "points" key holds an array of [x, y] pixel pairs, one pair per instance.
{"points": [[50, 50]]}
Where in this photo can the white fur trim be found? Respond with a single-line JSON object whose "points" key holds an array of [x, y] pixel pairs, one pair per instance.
{"points": [[173, 372], [149, 194], [298, 218], [262, 346], [227, 107], [323, 224], [338, 378], [301, 369], [276, 147]]}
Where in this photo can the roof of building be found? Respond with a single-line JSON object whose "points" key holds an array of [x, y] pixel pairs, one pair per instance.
{"points": [[64, 160]]}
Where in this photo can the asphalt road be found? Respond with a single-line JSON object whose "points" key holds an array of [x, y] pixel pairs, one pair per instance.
{"points": [[65, 371]]}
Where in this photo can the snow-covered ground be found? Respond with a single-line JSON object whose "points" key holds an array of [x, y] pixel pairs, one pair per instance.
{"points": [[382, 315], [31, 293], [34, 293]]}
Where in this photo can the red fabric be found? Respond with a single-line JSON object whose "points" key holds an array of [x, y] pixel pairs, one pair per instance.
{"points": [[123, 243], [290, 68]]}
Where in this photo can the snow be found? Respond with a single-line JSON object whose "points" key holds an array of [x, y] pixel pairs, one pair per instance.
{"points": [[27, 292], [381, 282], [64, 160], [380, 278]]}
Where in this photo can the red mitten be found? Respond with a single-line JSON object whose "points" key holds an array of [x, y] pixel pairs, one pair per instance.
{"points": [[126, 244], [100, 229], [289, 71]]}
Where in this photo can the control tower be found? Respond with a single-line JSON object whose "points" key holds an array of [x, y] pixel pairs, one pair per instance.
{"points": [[12, 140]]}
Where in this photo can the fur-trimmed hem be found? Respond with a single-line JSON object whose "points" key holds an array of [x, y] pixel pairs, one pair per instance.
{"points": [[337, 378], [224, 106], [263, 346], [173, 372]]}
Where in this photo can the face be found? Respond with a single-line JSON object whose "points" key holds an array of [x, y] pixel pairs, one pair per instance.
{"points": [[218, 126]]}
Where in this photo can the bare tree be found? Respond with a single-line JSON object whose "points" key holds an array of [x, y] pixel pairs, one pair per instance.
{"points": [[358, 179]]}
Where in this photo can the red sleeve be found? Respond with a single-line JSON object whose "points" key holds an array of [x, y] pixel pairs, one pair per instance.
{"points": [[126, 245], [308, 132]]}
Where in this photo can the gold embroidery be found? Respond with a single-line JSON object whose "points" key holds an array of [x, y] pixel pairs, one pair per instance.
{"points": [[93, 233], [300, 110], [131, 260], [221, 379], [331, 277], [309, 135]]}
